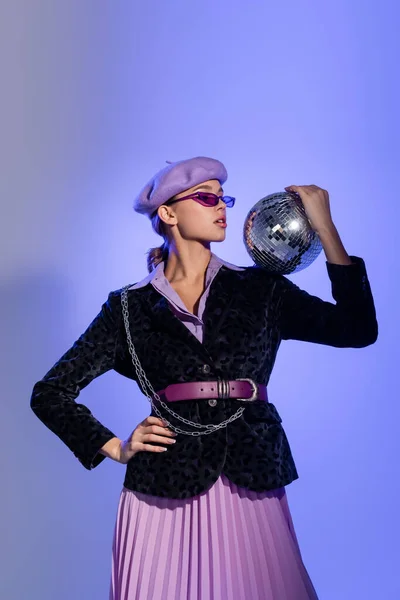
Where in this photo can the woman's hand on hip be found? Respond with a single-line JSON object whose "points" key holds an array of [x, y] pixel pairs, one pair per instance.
{"points": [[151, 429]]}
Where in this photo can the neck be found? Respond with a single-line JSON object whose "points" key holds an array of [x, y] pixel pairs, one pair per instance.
{"points": [[188, 263]]}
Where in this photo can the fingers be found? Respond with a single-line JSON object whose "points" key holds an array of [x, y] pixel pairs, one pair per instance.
{"points": [[162, 439], [295, 189], [155, 425], [156, 429], [305, 188], [153, 430], [150, 420], [150, 448]]}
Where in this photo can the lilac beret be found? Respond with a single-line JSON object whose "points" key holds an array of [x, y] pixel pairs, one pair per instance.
{"points": [[176, 178]]}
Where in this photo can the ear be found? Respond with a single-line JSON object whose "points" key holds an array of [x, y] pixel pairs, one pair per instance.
{"points": [[166, 214]]}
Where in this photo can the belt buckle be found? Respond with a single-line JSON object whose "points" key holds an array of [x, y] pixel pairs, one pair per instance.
{"points": [[255, 390]]}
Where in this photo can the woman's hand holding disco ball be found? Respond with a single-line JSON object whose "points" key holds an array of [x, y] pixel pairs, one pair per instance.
{"points": [[286, 231], [315, 201], [281, 231]]}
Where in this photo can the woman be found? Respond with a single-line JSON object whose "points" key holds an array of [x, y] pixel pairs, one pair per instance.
{"points": [[203, 511]]}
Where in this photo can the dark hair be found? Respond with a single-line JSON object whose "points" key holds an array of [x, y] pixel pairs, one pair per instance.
{"points": [[159, 253]]}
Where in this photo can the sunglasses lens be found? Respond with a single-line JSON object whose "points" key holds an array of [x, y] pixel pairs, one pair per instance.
{"points": [[208, 199], [229, 201], [213, 199]]}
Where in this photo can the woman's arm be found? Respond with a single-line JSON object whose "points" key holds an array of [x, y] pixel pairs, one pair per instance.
{"points": [[332, 244], [112, 449], [53, 397], [351, 322]]}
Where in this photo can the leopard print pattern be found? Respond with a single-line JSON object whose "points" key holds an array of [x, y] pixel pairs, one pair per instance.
{"points": [[247, 314]]}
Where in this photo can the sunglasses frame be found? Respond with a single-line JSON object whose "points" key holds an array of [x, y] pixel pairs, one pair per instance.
{"points": [[196, 196]]}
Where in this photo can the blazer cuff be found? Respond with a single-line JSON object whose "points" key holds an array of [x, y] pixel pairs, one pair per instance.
{"points": [[352, 275], [90, 456]]}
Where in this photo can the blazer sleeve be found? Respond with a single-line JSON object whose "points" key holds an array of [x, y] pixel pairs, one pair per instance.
{"points": [[349, 323], [53, 398]]}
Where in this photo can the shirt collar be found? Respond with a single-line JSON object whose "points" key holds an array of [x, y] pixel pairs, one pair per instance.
{"points": [[158, 273]]}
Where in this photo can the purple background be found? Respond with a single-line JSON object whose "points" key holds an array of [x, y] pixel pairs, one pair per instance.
{"points": [[96, 96]]}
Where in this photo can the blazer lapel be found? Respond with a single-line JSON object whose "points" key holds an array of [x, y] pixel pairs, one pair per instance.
{"points": [[220, 297], [218, 304], [165, 320]]}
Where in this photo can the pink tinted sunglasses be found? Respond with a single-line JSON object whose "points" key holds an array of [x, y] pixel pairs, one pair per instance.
{"points": [[206, 199]]}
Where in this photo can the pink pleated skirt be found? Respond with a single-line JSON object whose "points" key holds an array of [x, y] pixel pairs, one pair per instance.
{"points": [[227, 543]]}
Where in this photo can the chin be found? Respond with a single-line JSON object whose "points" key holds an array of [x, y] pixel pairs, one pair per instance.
{"points": [[218, 238], [215, 236]]}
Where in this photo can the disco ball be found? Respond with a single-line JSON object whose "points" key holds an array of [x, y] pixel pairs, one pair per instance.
{"points": [[278, 236]]}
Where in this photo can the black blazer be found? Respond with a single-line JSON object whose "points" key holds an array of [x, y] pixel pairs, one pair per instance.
{"points": [[246, 316]]}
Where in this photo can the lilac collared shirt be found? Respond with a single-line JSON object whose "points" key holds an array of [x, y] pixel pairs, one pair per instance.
{"points": [[162, 285]]}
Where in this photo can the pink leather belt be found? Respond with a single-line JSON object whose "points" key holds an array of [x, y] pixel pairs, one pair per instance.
{"points": [[239, 389]]}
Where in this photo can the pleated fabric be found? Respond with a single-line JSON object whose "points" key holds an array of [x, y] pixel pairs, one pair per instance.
{"points": [[227, 543]]}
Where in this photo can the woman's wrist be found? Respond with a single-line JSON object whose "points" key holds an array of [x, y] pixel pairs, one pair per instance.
{"points": [[112, 449]]}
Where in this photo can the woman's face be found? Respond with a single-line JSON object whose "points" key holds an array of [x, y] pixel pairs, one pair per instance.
{"points": [[193, 220]]}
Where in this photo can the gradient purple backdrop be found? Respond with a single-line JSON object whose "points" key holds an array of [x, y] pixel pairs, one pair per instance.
{"points": [[96, 96]]}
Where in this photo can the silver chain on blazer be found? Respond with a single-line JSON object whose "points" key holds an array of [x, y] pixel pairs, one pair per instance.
{"points": [[145, 382]]}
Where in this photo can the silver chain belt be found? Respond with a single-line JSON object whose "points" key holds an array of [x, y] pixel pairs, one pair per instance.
{"points": [[144, 382]]}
